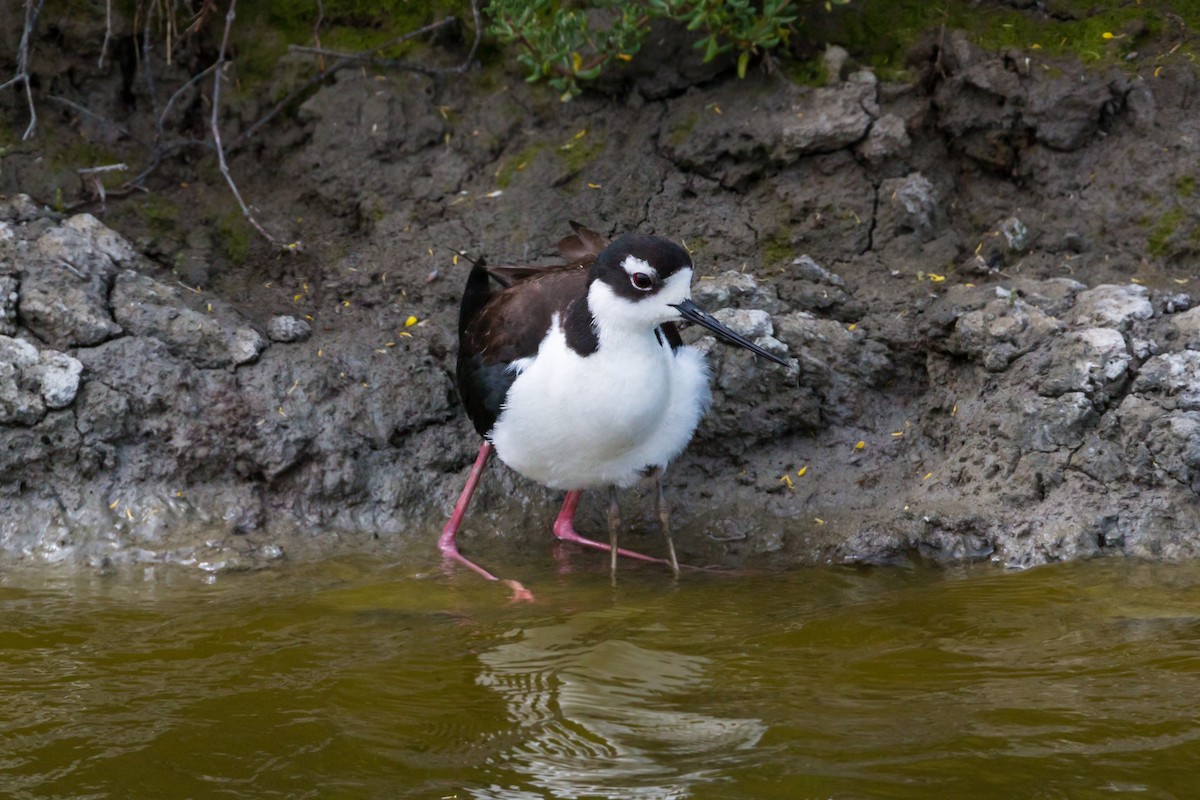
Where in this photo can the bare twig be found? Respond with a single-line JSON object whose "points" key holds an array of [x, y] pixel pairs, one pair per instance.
{"points": [[107, 33], [368, 57], [90, 176], [121, 129], [192, 81], [150, 87], [317, 31], [216, 132], [22, 76]]}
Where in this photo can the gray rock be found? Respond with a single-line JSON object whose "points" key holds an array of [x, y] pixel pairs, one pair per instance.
{"points": [[828, 120], [1015, 233], [757, 131], [1055, 296], [1051, 424], [19, 208], [146, 307], [8, 305], [58, 375], [288, 329], [1000, 332], [1094, 361], [887, 138], [20, 396], [1173, 379], [65, 283], [142, 368], [1186, 327], [1111, 306], [737, 289], [907, 205], [808, 268], [834, 61], [1176, 302], [1065, 113], [749, 322]]}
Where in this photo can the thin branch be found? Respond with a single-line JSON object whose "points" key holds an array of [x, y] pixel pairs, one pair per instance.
{"points": [[216, 132], [146, 59], [88, 113], [317, 30], [107, 33], [31, 15], [192, 81], [366, 55]]}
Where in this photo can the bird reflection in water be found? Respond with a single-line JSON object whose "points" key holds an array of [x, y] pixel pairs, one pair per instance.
{"points": [[596, 717]]}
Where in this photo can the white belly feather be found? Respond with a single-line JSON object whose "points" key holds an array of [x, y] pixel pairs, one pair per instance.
{"points": [[571, 422]]}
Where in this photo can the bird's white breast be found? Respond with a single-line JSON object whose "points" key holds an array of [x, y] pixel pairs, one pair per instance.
{"points": [[576, 422]]}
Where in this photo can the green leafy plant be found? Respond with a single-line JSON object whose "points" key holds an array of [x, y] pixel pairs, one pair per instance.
{"points": [[566, 43]]}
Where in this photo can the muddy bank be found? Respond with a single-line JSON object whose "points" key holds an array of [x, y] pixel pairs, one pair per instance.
{"points": [[986, 276]]}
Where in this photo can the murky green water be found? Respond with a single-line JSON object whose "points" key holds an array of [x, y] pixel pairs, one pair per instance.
{"points": [[358, 679]]}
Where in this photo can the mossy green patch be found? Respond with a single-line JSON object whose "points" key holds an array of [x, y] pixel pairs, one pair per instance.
{"points": [[683, 129], [576, 154], [516, 164], [233, 236], [1159, 242], [777, 248], [1186, 185], [809, 72], [263, 32], [881, 34], [161, 215]]}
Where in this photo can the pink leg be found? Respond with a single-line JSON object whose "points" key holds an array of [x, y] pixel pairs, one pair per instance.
{"points": [[446, 541], [564, 529]]}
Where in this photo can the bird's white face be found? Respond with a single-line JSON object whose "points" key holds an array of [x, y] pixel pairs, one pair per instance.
{"points": [[646, 302]]}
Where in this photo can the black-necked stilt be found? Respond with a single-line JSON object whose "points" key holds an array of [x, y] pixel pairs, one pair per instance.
{"points": [[576, 375]]}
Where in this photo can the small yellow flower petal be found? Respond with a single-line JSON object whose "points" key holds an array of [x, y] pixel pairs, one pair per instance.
{"points": [[927, 476], [800, 472], [860, 444], [408, 323], [936, 278]]}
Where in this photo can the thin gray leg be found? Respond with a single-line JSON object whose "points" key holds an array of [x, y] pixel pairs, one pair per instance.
{"points": [[664, 518], [614, 523]]}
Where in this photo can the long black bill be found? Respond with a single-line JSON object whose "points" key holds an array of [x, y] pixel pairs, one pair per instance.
{"points": [[693, 313]]}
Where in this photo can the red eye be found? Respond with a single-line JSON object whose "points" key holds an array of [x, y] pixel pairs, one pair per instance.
{"points": [[642, 281]]}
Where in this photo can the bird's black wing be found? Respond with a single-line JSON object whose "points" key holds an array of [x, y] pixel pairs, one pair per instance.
{"points": [[508, 325]]}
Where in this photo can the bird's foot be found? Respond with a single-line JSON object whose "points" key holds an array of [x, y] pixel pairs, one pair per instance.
{"points": [[519, 593], [565, 532]]}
